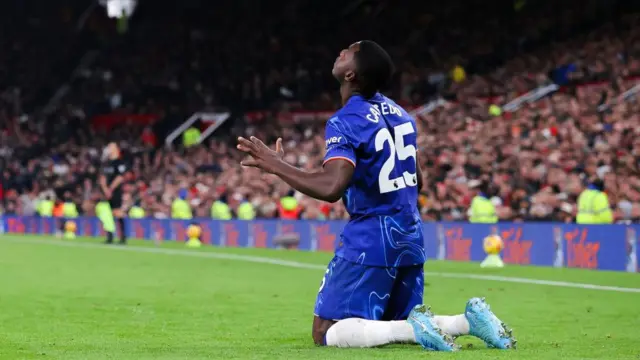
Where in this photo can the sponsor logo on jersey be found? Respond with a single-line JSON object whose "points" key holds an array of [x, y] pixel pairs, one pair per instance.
{"points": [[333, 140]]}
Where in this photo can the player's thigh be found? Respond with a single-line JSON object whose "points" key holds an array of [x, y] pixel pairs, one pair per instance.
{"points": [[116, 204], [118, 213], [408, 291], [353, 290]]}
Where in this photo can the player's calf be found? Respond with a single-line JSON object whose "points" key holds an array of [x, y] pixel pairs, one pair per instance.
{"points": [[362, 333], [120, 215], [319, 330]]}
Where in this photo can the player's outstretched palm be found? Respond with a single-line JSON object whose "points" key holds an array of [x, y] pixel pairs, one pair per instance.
{"points": [[262, 156]]}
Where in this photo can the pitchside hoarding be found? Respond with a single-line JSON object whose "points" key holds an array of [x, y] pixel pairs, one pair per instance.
{"points": [[604, 247]]}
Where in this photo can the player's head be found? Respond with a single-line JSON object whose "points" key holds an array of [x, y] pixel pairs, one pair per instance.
{"points": [[111, 151], [598, 184], [365, 66], [484, 187], [182, 193]]}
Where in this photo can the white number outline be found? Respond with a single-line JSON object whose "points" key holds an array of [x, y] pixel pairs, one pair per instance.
{"points": [[324, 280], [403, 152]]}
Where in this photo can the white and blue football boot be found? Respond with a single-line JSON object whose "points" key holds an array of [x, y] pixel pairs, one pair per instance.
{"points": [[427, 332], [484, 324]]}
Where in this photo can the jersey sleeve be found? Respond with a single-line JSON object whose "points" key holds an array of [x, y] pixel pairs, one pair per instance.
{"points": [[339, 142]]}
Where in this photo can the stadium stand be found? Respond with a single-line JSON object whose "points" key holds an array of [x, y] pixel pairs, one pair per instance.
{"points": [[269, 67]]}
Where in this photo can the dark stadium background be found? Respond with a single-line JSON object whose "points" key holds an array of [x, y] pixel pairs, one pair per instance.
{"points": [[72, 79]]}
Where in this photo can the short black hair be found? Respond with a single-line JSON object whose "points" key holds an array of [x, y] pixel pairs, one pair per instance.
{"points": [[374, 68], [598, 184]]}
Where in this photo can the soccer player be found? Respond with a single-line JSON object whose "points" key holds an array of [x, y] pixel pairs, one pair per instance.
{"points": [[371, 293], [111, 182]]}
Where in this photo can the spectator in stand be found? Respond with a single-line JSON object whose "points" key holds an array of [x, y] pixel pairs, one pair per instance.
{"points": [[538, 156]]}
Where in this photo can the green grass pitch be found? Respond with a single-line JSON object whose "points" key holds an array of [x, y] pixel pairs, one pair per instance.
{"points": [[77, 299]]}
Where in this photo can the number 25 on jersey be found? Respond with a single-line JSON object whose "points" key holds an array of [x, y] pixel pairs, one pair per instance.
{"points": [[396, 147]]}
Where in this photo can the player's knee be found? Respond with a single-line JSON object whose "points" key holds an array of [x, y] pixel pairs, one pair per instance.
{"points": [[319, 330], [318, 336]]}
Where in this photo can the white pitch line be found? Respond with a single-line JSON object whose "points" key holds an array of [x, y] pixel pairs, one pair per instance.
{"points": [[301, 265], [534, 281]]}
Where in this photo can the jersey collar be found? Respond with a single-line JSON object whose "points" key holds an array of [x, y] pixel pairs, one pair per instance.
{"points": [[357, 97]]}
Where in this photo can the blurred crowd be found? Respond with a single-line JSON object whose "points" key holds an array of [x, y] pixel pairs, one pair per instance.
{"points": [[173, 61]]}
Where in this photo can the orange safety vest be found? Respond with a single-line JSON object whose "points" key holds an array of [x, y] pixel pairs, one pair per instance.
{"points": [[58, 210], [289, 214]]}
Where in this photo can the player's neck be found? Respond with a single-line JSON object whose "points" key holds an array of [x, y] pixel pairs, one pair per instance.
{"points": [[346, 92]]}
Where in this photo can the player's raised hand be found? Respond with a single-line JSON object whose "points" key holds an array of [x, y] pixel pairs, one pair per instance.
{"points": [[262, 156], [279, 148]]}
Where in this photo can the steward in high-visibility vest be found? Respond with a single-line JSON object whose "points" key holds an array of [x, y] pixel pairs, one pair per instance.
{"points": [[602, 210], [45, 207], [190, 137], [69, 210], [180, 208], [136, 212], [593, 205], [57, 210], [246, 211], [220, 210], [288, 208], [482, 210]]}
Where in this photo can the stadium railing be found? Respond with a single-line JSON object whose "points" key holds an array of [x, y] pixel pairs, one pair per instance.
{"points": [[212, 120], [625, 96], [530, 97]]}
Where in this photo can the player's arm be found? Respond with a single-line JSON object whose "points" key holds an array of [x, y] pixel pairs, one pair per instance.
{"points": [[419, 174], [116, 182], [119, 179], [327, 184], [103, 184]]}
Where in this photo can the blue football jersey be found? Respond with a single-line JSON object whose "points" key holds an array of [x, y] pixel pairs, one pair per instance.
{"points": [[379, 138]]}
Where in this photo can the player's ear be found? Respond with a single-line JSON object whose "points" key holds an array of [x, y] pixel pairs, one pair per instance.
{"points": [[349, 76]]}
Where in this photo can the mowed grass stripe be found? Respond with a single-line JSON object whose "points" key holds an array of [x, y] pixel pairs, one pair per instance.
{"points": [[302, 265]]}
